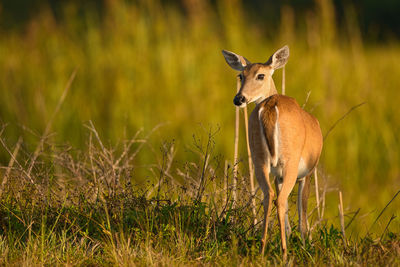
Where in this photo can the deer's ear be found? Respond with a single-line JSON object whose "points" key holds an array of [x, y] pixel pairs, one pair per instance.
{"points": [[279, 58], [235, 61]]}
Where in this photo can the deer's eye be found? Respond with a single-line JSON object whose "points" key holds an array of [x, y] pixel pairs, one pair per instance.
{"points": [[240, 77], [260, 77]]}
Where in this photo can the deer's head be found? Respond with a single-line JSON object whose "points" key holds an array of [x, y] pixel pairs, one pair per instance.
{"points": [[256, 82]]}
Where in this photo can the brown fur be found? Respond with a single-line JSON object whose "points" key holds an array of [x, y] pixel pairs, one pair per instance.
{"points": [[300, 124], [281, 132], [299, 137], [268, 123]]}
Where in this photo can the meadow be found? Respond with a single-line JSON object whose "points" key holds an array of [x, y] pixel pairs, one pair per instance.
{"points": [[117, 132]]}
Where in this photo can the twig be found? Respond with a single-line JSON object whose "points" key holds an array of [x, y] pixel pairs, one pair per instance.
{"points": [[341, 118]]}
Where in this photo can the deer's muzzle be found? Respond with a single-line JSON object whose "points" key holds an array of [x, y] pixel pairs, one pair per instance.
{"points": [[239, 100]]}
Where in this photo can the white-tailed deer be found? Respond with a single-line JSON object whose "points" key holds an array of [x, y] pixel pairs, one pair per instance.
{"points": [[284, 139]]}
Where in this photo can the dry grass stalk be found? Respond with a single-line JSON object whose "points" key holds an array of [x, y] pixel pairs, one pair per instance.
{"points": [[226, 181], [236, 148], [10, 165], [251, 171], [387, 226], [107, 156], [352, 218], [323, 201], [28, 176], [341, 215], [283, 81], [92, 168], [50, 122], [306, 101], [383, 210], [105, 166], [317, 192]]}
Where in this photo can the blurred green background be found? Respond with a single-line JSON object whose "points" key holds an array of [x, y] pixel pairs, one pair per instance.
{"points": [[142, 63]]}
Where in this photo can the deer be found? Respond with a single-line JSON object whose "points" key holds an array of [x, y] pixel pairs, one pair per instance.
{"points": [[284, 140]]}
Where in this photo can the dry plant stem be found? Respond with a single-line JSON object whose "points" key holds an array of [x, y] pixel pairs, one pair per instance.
{"points": [[161, 177], [202, 185], [341, 215], [107, 157], [251, 171], [283, 81], [380, 214], [236, 148], [93, 129], [97, 185], [10, 165], [144, 141], [323, 201], [387, 226], [307, 98], [352, 218], [317, 192], [128, 147], [226, 181], [16, 161], [50, 122]]}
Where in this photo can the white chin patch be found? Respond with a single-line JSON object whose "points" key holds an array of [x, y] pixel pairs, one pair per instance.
{"points": [[243, 105]]}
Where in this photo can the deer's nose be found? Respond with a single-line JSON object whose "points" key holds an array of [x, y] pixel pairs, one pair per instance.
{"points": [[239, 100]]}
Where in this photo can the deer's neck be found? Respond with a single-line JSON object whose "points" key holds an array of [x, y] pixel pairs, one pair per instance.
{"points": [[272, 91]]}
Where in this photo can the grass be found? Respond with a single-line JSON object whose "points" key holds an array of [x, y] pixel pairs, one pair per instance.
{"points": [[83, 208], [124, 169]]}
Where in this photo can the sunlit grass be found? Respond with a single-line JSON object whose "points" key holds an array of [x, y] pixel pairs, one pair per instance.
{"points": [[87, 210]]}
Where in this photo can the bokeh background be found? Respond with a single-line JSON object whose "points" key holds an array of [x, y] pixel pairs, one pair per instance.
{"points": [[144, 63]]}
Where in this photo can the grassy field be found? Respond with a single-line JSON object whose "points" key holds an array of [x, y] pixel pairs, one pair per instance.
{"points": [[124, 162], [81, 208]]}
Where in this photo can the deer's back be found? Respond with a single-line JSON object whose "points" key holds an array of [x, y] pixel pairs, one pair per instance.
{"points": [[298, 134]]}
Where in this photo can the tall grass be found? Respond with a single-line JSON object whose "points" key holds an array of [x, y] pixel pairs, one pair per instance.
{"points": [[144, 64]]}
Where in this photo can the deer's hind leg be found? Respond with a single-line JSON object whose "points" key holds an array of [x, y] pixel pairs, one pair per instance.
{"points": [[278, 187], [289, 180], [262, 175], [302, 201]]}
